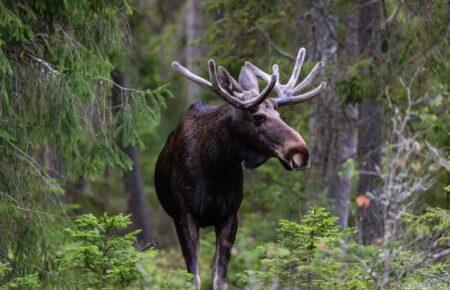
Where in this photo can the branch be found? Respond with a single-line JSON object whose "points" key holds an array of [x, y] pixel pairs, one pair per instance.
{"points": [[275, 46], [389, 19], [53, 71], [437, 256], [47, 65], [114, 83]]}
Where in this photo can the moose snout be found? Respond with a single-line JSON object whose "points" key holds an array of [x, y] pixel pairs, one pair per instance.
{"points": [[295, 158], [296, 154]]}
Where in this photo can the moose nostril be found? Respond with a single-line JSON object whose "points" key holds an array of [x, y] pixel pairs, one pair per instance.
{"points": [[297, 161], [300, 160]]}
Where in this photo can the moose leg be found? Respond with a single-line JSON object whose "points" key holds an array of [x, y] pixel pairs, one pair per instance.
{"points": [[225, 235], [187, 231]]}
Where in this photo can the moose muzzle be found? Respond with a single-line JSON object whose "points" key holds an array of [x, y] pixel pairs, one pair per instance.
{"points": [[294, 154]]}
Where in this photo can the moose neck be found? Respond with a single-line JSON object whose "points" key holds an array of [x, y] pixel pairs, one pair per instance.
{"points": [[222, 147], [214, 137]]}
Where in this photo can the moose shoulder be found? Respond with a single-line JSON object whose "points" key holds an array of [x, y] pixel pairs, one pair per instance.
{"points": [[198, 176]]}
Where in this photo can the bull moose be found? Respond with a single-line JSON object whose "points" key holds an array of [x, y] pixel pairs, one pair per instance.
{"points": [[199, 172]]}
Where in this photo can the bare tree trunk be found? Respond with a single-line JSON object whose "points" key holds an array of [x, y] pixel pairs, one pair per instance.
{"points": [[133, 184], [331, 124], [343, 134], [370, 216], [136, 202], [343, 146], [325, 48], [194, 28]]}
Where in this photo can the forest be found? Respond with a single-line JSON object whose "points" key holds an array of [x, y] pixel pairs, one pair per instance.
{"points": [[88, 98]]}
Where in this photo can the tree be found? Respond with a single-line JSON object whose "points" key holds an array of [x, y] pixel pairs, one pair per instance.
{"points": [[333, 140], [300, 258], [193, 54], [105, 259], [370, 216], [132, 179], [55, 63]]}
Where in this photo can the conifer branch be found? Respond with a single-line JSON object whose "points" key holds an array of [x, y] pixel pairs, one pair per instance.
{"points": [[47, 65], [115, 84]]}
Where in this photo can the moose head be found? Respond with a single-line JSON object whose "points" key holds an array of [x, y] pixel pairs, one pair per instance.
{"points": [[254, 116]]}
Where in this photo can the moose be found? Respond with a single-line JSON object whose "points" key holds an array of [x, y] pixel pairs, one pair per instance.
{"points": [[199, 172]]}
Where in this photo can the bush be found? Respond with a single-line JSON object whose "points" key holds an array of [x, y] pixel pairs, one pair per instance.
{"points": [[305, 257], [102, 257]]}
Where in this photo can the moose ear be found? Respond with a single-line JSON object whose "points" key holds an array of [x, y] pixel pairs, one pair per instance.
{"points": [[248, 80], [225, 80]]}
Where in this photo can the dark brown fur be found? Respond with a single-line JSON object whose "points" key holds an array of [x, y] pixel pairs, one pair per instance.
{"points": [[199, 175]]}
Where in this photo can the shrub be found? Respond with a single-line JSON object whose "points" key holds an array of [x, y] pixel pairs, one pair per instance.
{"points": [[305, 257], [103, 257]]}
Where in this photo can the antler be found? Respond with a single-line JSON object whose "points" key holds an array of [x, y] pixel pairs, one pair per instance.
{"points": [[216, 88], [286, 93]]}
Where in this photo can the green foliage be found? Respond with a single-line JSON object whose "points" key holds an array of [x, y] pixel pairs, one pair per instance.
{"points": [[105, 259], [238, 33], [28, 281], [416, 259], [429, 233], [316, 254], [433, 223], [57, 122], [70, 61], [302, 256], [158, 275], [267, 190], [101, 256], [354, 86], [55, 83]]}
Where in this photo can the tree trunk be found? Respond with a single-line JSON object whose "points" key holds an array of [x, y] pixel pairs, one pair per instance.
{"points": [[343, 134], [333, 133], [194, 28], [325, 48], [136, 202], [369, 215], [132, 179], [342, 148]]}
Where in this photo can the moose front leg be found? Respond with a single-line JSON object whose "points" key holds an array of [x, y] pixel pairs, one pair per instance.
{"points": [[225, 236], [187, 231]]}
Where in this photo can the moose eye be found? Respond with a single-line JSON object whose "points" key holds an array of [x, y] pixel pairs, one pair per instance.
{"points": [[258, 119]]}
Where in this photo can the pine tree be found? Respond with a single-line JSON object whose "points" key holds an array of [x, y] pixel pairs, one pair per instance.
{"points": [[55, 63]]}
